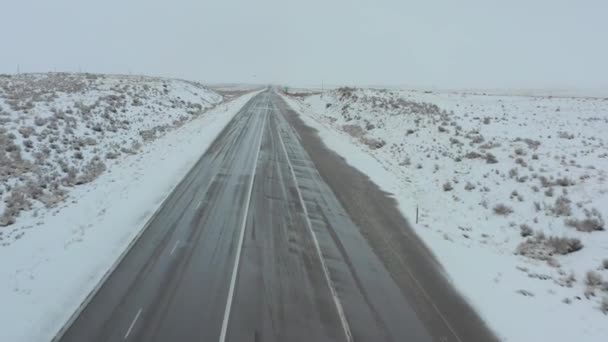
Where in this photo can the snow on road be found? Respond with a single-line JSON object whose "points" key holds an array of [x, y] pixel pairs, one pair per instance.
{"points": [[51, 258], [511, 190]]}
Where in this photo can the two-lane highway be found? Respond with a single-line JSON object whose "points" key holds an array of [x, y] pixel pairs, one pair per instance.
{"points": [[255, 245]]}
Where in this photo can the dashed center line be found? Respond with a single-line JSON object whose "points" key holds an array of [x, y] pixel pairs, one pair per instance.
{"points": [[132, 324], [174, 247]]}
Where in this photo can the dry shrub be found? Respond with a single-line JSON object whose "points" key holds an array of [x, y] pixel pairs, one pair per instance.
{"points": [[447, 186], [16, 201], [354, 130], [542, 248], [563, 245], [592, 222], [473, 155], [521, 162], [489, 145], [490, 158], [562, 207], [533, 144], [373, 143], [501, 209], [357, 132], [593, 279], [564, 181], [526, 230], [469, 186]]}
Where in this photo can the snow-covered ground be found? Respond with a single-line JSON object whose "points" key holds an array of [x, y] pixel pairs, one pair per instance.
{"points": [[511, 192], [56, 252]]}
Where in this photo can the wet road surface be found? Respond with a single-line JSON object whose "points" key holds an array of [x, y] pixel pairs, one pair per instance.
{"points": [[260, 242]]}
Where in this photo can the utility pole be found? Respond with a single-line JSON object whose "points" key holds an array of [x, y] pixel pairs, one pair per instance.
{"points": [[18, 69]]}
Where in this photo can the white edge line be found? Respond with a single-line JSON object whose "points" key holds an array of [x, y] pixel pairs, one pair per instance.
{"points": [[420, 287], [126, 251], [241, 239], [334, 294], [174, 247], [132, 324]]}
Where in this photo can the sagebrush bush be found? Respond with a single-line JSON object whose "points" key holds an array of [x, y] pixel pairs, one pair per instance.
{"points": [[593, 279], [502, 209], [525, 230], [564, 181], [592, 222], [447, 186], [490, 158], [473, 155], [542, 248], [562, 207], [564, 245]]}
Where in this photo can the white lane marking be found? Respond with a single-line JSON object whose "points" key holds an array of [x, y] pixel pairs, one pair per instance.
{"points": [[334, 294], [132, 323], [207, 190], [241, 239], [174, 247]]}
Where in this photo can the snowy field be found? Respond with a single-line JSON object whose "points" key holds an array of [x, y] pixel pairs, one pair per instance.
{"points": [[87, 160], [511, 192]]}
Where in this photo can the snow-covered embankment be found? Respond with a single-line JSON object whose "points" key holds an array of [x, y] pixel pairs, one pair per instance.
{"points": [[511, 189]]}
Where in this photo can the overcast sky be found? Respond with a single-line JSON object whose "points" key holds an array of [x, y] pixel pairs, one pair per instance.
{"points": [[449, 43]]}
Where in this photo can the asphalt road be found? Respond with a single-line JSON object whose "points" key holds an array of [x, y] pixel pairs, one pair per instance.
{"points": [[272, 237]]}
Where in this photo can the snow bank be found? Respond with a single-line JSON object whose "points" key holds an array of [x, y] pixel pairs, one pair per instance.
{"points": [[50, 259], [511, 190]]}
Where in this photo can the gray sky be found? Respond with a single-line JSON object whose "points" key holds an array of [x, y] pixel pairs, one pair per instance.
{"points": [[464, 43]]}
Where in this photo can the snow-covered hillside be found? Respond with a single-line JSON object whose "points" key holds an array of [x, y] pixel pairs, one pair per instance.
{"points": [[58, 130], [511, 190]]}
